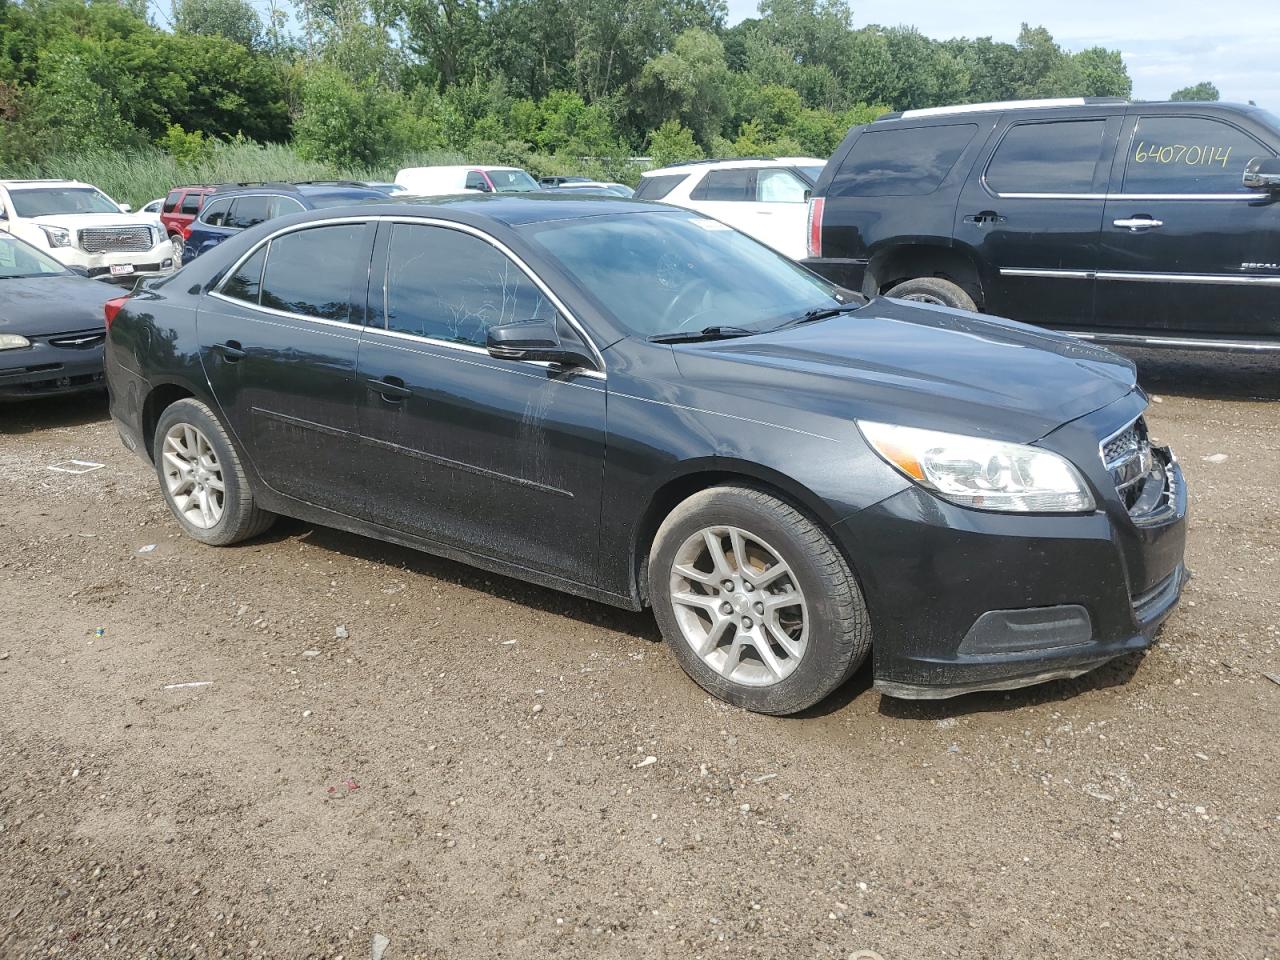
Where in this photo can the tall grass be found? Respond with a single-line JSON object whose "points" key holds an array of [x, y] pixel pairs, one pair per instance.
{"points": [[138, 176]]}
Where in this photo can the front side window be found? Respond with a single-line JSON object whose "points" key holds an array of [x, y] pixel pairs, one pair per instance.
{"points": [[171, 201], [216, 212], [1188, 155], [191, 203], [476, 181], [246, 283], [449, 285], [725, 185], [248, 212], [53, 201], [1047, 157], [310, 272], [901, 163], [780, 186], [672, 271]]}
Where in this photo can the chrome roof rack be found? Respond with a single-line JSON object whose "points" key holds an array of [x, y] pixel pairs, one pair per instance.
{"points": [[1005, 105]]}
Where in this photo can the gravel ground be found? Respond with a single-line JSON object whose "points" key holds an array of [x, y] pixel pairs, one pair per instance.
{"points": [[387, 744]]}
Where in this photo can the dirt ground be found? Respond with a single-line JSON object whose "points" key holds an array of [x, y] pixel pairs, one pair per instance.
{"points": [[386, 744]]}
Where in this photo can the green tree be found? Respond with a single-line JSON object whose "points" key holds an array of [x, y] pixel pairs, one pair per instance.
{"points": [[347, 124], [236, 20], [689, 84], [671, 143], [1202, 92], [1103, 73]]}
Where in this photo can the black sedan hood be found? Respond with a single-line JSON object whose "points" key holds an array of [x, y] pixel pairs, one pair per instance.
{"points": [[919, 365], [39, 306]]}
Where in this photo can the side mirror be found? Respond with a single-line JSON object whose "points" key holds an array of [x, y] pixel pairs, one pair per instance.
{"points": [[126, 208], [808, 195], [1262, 173], [535, 340]]}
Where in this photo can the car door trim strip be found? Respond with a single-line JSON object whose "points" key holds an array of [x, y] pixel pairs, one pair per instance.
{"points": [[1251, 279]]}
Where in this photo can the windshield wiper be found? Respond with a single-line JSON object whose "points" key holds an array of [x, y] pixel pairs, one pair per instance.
{"points": [[706, 333], [820, 313]]}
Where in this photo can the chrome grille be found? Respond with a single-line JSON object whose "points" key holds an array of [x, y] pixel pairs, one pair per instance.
{"points": [[116, 239], [1127, 456], [78, 341]]}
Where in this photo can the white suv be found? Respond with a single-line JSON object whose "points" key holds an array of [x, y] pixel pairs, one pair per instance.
{"points": [[84, 229], [767, 198]]}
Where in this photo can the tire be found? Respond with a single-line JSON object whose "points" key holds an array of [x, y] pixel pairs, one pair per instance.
{"points": [[816, 601], [189, 434], [935, 290]]}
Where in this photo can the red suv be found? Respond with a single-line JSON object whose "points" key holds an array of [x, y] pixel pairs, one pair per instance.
{"points": [[181, 206]]}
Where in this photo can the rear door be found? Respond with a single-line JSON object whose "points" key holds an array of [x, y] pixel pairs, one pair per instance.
{"points": [[278, 341], [1186, 248], [496, 457], [1032, 211]]}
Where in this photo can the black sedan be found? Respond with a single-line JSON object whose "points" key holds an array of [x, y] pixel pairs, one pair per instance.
{"points": [[50, 325], [638, 404]]}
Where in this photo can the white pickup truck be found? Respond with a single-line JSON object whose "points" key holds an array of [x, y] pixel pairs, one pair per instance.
{"points": [[84, 229]]}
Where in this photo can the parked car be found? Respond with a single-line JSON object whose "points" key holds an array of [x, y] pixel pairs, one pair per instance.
{"points": [[153, 207], [764, 197], [1127, 223], [181, 206], [597, 188], [641, 405], [50, 325], [561, 181], [80, 226], [236, 208], [444, 181]]}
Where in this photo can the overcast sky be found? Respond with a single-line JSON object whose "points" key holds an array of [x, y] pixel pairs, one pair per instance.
{"points": [[1166, 45]]}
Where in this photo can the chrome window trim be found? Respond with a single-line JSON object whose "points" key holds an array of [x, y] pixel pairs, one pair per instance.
{"points": [[403, 218], [1126, 196], [995, 151], [1185, 343], [352, 329], [1231, 279], [247, 196]]}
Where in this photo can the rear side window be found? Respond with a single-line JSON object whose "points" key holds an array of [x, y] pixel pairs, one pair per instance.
{"points": [[726, 185], [245, 283], [901, 163], [1047, 157], [449, 285], [191, 203], [216, 212], [1188, 155], [171, 201], [655, 188], [309, 272], [248, 212]]}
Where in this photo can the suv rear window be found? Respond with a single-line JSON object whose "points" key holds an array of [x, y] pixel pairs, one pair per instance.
{"points": [[1051, 157], [171, 201], [655, 188], [1188, 155], [901, 163]]}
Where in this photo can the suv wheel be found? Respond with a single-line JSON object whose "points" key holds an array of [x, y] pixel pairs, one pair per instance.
{"points": [[934, 290], [755, 600], [202, 478]]}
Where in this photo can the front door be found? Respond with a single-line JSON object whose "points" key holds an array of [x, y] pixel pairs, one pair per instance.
{"points": [[278, 341], [1033, 213], [780, 214], [496, 457], [1186, 248]]}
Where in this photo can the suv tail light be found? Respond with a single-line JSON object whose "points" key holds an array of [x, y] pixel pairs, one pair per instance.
{"points": [[816, 206], [111, 308], [186, 230]]}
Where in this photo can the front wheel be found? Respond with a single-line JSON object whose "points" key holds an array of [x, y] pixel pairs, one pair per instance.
{"points": [[935, 290], [756, 601], [202, 478]]}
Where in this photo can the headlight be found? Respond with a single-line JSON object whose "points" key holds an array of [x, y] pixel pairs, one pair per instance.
{"points": [[57, 236], [11, 341], [985, 474]]}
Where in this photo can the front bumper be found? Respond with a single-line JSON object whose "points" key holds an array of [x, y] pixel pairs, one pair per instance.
{"points": [[156, 262], [962, 600], [46, 370]]}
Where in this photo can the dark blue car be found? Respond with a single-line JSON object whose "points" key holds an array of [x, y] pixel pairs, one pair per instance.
{"points": [[237, 208]]}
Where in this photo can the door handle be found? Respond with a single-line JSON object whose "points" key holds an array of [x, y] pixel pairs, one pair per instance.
{"points": [[392, 389], [986, 216], [231, 350], [1138, 223]]}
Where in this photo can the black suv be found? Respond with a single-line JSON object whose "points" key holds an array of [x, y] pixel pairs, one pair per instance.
{"points": [[1129, 223]]}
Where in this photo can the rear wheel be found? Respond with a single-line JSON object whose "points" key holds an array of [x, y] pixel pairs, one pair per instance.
{"points": [[755, 600], [934, 290], [202, 478]]}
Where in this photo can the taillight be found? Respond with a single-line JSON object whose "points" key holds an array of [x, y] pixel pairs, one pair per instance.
{"points": [[111, 308], [186, 231], [816, 206]]}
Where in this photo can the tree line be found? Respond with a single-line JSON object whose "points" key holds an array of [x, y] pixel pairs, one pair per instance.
{"points": [[364, 83]]}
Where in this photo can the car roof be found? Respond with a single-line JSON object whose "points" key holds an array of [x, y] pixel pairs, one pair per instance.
{"points": [[45, 184], [1056, 104], [456, 168], [511, 210], [302, 191], [736, 163]]}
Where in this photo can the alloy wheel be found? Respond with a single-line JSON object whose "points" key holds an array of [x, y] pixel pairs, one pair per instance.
{"points": [[739, 606], [193, 476]]}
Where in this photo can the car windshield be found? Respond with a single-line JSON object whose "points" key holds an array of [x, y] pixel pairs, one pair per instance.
{"points": [[513, 181], [47, 201], [19, 259], [662, 273]]}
